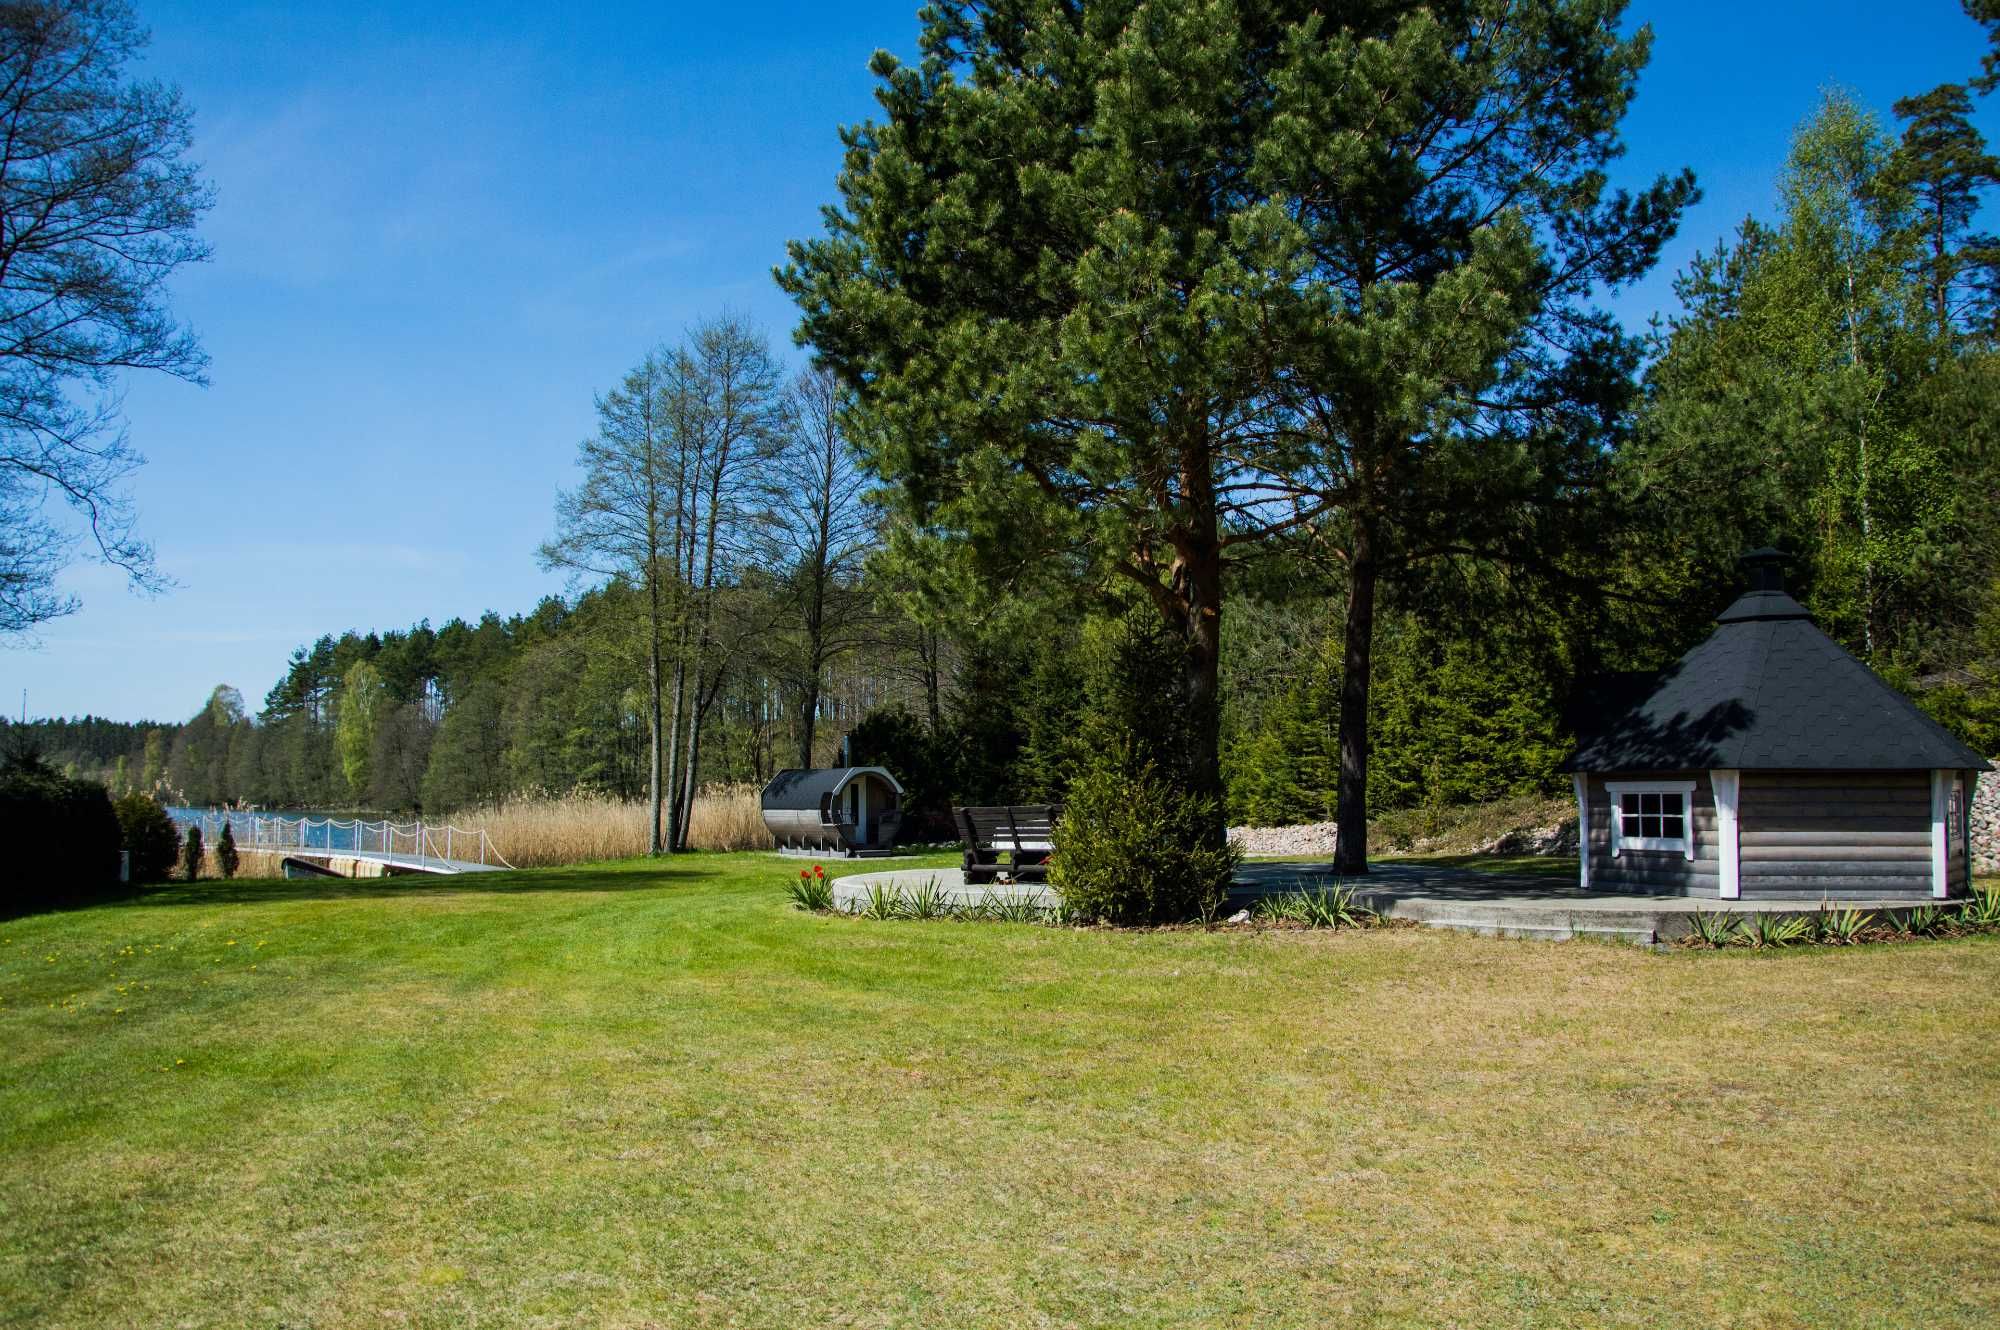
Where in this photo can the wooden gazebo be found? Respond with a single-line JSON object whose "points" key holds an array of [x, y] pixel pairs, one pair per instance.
{"points": [[1768, 763]]}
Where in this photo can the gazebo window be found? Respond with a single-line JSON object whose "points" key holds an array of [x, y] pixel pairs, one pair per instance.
{"points": [[1653, 815]]}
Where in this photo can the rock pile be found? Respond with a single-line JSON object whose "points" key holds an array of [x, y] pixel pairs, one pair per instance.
{"points": [[1555, 838], [1315, 838]]}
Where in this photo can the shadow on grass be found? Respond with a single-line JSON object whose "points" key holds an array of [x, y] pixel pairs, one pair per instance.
{"points": [[62, 904], [1513, 865], [618, 875]]}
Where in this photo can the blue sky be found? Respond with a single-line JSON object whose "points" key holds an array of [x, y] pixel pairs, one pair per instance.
{"points": [[441, 228]]}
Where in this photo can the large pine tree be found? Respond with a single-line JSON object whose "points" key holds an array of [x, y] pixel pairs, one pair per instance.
{"points": [[1142, 287]]}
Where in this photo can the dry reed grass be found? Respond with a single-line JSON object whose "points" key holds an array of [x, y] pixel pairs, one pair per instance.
{"points": [[580, 828], [729, 817]]}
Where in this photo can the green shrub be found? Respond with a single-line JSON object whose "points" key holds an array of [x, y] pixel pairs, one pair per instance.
{"points": [[192, 853], [1131, 850], [148, 835], [61, 837]]}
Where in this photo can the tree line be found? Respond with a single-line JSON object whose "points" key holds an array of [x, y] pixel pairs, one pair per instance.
{"points": [[1296, 470]]}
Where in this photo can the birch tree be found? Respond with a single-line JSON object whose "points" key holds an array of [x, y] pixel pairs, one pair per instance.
{"points": [[727, 429], [821, 529], [625, 519]]}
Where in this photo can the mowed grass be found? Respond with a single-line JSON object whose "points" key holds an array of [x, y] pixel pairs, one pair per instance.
{"points": [[632, 1095]]}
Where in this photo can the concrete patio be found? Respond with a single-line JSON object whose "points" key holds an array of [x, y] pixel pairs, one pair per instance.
{"points": [[1521, 905]]}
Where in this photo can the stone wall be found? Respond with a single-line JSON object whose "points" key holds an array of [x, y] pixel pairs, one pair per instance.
{"points": [[1986, 823]]}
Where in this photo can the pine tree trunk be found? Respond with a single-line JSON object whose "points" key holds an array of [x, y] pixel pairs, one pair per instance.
{"points": [[1351, 799], [1196, 587], [932, 647], [1204, 668], [1939, 281]]}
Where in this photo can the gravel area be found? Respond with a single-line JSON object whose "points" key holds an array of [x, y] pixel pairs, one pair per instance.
{"points": [[1271, 842], [1318, 838], [1986, 823]]}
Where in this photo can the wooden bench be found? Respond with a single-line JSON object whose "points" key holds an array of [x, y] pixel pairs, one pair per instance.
{"points": [[1025, 833]]}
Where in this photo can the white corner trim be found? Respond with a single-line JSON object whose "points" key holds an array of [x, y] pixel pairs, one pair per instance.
{"points": [[1940, 834], [1620, 842], [1580, 782], [1729, 849]]}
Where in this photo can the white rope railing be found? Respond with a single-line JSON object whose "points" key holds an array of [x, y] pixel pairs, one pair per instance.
{"points": [[268, 833]]}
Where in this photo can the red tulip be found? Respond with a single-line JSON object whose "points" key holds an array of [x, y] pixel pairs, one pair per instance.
{"points": [[818, 871]]}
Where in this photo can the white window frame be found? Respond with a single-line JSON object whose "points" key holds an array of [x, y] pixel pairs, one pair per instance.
{"points": [[1682, 845]]}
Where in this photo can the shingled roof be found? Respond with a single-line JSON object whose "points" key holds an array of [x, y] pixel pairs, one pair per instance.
{"points": [[1768, 690]]}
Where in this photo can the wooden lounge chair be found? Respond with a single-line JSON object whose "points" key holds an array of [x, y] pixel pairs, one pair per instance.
{"points": [[1024, 833]]}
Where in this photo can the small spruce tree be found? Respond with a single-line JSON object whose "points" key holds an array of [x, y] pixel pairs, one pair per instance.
{"points": [[192, 854], [226, 857]]}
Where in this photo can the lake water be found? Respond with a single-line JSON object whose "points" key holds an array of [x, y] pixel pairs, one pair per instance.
{"points": [[310, 829]]}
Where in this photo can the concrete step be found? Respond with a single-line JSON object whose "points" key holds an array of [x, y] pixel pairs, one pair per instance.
{"points": [[1554, 921], [1545, 932]]}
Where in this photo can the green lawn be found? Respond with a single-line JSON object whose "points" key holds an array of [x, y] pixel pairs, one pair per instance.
{"points": [[627, 1096]]}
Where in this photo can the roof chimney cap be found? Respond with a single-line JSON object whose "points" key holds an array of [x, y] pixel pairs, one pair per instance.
{"points": [[1765, 568]]}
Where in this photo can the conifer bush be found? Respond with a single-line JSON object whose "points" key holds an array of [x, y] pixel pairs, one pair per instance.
{"points": [[192, 854], [226, 857], [1130, 850]]}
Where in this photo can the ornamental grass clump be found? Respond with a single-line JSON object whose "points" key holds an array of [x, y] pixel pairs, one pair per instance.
{"points": [[1317, 907], [1014, 908], [1840, 928], [1982, 909], [881, 901], [1714, 928], [928, 900], [1767, 931]]}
